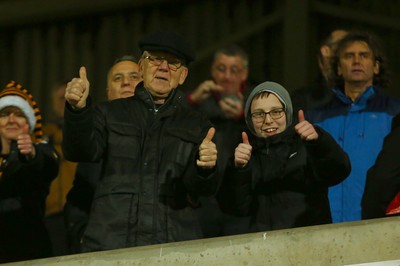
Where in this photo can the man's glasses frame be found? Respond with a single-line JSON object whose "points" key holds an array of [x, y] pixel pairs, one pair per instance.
{"points": [[173, 64]]}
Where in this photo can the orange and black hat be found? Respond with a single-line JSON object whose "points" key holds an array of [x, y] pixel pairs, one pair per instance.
{"points": [[15, 95]]}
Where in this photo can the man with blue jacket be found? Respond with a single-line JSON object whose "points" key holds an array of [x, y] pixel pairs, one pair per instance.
{"points": [[358, 117]]}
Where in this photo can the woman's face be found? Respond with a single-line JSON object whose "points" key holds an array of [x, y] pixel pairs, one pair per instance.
{"points": [[12, 122], [268, 115]]}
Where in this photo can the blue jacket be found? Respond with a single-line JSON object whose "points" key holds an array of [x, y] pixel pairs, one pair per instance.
{"points": [[359, 127]]}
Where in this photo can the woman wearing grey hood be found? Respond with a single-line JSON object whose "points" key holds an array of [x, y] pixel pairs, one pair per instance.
{"points": [[280, 176]]}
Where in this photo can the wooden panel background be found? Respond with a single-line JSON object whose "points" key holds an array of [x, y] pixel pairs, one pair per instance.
{"points": [[43, 41]]}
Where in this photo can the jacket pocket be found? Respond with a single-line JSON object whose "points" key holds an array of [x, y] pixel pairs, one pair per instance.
{"points": [[181, 146], [113, 216], [124, 140]]}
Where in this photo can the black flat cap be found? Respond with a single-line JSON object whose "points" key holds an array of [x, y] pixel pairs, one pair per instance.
{"points": [[168, 41]]}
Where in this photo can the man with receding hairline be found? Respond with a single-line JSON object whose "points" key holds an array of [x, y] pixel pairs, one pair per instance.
{"points": [[122, 78]]}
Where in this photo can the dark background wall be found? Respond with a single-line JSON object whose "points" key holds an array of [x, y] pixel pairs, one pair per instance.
{"points": [[43, 41]]}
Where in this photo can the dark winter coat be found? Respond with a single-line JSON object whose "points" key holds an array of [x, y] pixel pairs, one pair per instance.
{"points": [[285, 184], [24, 186], [383, 178], [149, 182]]}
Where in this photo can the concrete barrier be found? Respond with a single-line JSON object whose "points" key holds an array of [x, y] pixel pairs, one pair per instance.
{"points": [[363, 242]]}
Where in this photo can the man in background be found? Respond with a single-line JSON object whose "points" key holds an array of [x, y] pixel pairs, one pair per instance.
{"points": [[359, 116], [319, 93], [122, 79], [221, 99], [60, 186]]}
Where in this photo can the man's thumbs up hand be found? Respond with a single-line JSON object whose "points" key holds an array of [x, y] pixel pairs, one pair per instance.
{"points": [[77, 90], [208, 151]]}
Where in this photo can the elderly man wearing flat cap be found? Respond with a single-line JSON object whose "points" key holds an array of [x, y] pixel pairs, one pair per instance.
{"points": [[158, 157]]}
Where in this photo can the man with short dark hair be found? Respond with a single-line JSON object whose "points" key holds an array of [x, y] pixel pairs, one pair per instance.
{"points": [[122, 78], [221, 98], [158, 156]]}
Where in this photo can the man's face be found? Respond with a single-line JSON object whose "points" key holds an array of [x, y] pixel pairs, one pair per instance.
{"points": [[229, 72], [122, 80], [160, 79], [357, 64]]}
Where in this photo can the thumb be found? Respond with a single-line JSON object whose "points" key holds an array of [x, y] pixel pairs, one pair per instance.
{"points": [[210, 135], [82, 73], [301, 116], [25, 129], [245, 138]]}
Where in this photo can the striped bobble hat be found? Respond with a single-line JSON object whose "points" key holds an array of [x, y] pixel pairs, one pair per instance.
{"points": [[15, 95]]}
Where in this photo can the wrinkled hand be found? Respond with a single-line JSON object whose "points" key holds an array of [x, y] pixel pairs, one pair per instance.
{"points": [[25, 145], [305, 129], [243, 152], [77, 90], [233, 108], [208, 151], [204, 90]]}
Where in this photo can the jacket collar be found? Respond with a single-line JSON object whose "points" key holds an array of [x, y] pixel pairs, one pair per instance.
{"points": [[283, 137], [173, 99], [361, 101]]}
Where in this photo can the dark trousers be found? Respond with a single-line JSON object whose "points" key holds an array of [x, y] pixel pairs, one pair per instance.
{"points": [[215, 223], [58, 234]]}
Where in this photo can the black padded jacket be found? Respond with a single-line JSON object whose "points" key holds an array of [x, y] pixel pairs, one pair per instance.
{"points": [[149, 181], [285, 184]]}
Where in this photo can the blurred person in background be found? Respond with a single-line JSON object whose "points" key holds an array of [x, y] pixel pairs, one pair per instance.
{"points": [[221, 99], [62, 184], [320, 92], [27, 167]]}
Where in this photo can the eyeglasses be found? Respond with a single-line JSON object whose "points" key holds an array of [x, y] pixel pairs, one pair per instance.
{"points": [[173, 64], [274, 114]]}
